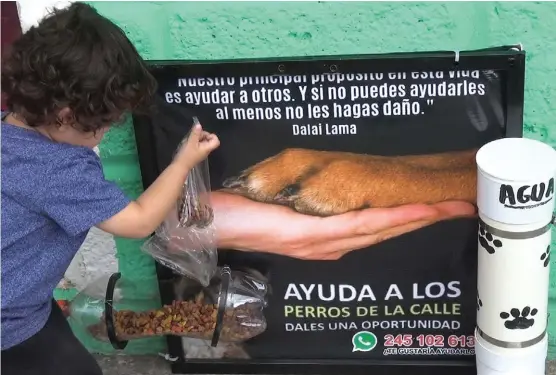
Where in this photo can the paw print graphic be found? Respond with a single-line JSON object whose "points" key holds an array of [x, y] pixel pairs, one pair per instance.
{"points": [[519, 319], [479, 302], [545, 257], [487, 241]]}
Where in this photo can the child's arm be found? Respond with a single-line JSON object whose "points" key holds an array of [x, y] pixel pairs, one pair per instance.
{"points": [[141, 217]]}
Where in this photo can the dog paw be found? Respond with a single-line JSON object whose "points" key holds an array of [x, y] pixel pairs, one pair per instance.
{"points": [[337, 187], [519, 319], [545, 257], [311, 182], [263, 181], [325, 183], [487, 241]]}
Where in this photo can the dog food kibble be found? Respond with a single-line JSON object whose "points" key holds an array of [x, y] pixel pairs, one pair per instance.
{"points": [[191, 212], [186, 318]]}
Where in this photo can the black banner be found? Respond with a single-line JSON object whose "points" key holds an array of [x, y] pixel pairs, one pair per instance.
{"points": [[362, 221]]}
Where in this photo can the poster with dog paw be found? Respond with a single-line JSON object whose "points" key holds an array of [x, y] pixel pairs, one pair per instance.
{"points": [[351, 193]]}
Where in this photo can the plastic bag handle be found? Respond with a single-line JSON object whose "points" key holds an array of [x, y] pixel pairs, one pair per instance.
{"points": [[222, 302], [108, 313]]}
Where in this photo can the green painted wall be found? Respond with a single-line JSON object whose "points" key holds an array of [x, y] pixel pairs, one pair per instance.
{"points": [[212, 30]]}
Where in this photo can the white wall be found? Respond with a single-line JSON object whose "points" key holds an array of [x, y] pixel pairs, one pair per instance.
{"points": [[98, 253], [31, 11]]}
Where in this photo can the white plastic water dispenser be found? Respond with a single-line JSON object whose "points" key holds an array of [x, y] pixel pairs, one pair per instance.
{"points": [[515, 198]]}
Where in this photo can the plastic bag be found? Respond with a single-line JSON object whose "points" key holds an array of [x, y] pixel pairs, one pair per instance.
{"points": [[186, 241], [229, 310]]}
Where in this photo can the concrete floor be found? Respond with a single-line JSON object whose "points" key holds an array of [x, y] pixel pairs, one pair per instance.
{"points": [[127, 365]]}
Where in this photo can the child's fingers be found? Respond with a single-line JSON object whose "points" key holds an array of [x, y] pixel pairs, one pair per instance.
{"points": [[205, 136], [209, 137], [196, 133], [211, 143]]}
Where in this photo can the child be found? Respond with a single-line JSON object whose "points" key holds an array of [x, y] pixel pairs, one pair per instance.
{"points": [[66, 81]]}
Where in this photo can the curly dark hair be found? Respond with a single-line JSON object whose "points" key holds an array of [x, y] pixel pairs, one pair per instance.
{"points": [[78, 59]]}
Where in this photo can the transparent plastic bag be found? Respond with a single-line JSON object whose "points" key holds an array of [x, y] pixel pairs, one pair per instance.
{"points": [[186, 241], [230, 309]]}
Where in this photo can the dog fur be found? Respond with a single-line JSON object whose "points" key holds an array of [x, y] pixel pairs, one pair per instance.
{"points": [[325, 183]]}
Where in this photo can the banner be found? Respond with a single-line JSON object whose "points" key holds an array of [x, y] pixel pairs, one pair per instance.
{"points": [[351, 187]]}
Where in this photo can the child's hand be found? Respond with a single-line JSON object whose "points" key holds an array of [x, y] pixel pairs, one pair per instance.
{"points": [[141, 218], [197, 147]]}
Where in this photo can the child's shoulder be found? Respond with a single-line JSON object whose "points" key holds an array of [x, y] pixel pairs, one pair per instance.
{"points": [[29, 158], [27, 145]]}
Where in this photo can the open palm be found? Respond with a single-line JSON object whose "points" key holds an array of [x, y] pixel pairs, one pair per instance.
{"points": [[243, 224]]}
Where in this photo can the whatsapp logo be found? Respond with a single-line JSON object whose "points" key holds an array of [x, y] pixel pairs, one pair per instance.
{"points": [[364, 341]]}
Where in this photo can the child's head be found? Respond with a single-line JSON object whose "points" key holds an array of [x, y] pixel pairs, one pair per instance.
{"points": [[74, 75]]}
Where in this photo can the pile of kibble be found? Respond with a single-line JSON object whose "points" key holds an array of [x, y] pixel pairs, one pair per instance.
{"points": [[187, 318]]}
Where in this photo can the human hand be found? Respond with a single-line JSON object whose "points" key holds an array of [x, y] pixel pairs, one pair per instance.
{"points": [[243, 224], [196, 147]]}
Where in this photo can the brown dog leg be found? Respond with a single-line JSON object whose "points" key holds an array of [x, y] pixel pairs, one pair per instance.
{"points": [[328, 183]]}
